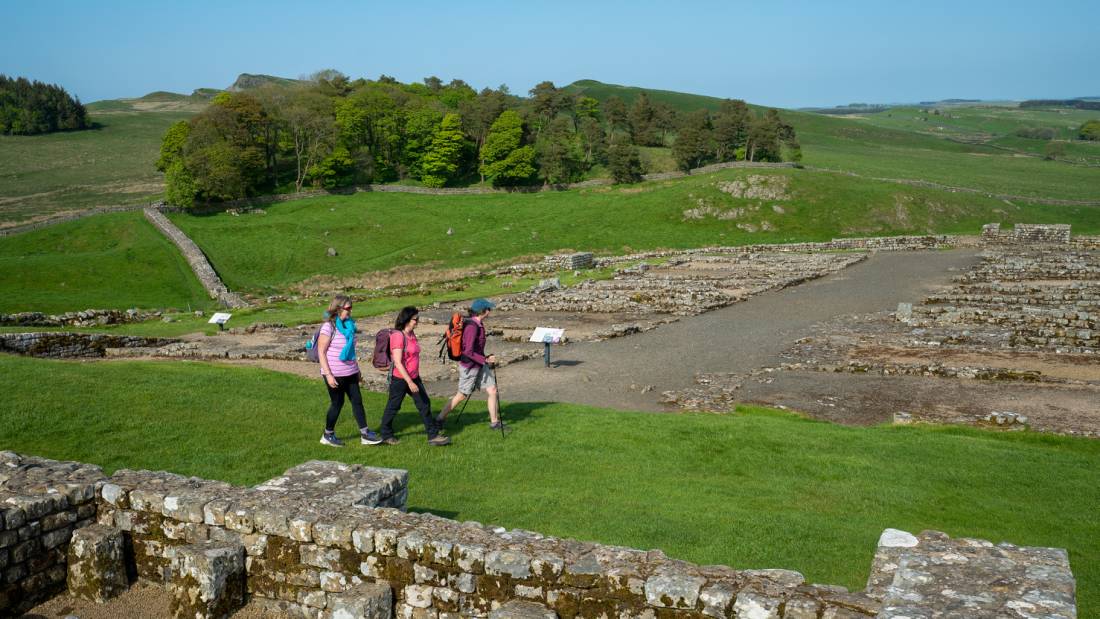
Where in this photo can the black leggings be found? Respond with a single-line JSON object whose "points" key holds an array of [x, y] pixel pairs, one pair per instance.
{"points": [[345, 385], [398, 390]]}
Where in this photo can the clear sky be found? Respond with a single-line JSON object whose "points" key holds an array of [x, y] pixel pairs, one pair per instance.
{"points": [[773, 52]]}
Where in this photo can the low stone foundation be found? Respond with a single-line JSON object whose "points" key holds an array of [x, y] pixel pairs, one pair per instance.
{"points": [[59, 345], [85, 318], [308, 552]]}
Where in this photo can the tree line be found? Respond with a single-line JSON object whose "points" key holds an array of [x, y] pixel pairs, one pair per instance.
{"points": [[332, 131], [29, 108]]}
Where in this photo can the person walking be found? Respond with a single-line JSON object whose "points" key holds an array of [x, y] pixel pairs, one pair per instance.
{"points": [[475, 370], [404, 379], [340, 370]]}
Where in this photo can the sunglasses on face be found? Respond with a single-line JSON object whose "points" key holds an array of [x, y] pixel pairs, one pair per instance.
{"points": [[346, 307]]}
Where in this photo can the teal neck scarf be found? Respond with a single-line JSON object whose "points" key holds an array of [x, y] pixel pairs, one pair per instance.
{"points": [[347, 328]]}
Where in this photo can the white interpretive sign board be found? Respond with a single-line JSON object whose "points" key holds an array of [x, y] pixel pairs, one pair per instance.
{"points": [[547, 335], [220, 318]]}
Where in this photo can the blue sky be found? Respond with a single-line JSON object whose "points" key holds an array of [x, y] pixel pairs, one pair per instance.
{"points": [[782, 53]]}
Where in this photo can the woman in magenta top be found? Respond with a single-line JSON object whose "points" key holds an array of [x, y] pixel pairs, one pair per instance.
{"points": [[405, 379], [336, 352]]}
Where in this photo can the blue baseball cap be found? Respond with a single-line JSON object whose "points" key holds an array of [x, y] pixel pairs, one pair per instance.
{"points": [[480, 305]]}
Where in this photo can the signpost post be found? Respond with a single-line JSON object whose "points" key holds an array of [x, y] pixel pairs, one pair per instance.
{"points": [[220, 318], [547, 335]]}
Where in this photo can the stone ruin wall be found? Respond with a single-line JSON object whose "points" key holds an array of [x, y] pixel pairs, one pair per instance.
{"points": [[302, 550], [61, 345], [194, 256]]}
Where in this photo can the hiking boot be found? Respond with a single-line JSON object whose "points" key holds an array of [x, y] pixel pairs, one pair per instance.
{"points": [[392, 440], [331, 440], [370, 437], [497, 426], [439, 441]]}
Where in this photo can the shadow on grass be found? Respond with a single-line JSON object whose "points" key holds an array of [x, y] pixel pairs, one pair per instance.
{"points": [[407, 425]]}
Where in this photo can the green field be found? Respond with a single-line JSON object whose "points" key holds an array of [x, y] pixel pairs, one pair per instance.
{"points": [[378, 231], [756, 490], [109, 166], [118, 260]]}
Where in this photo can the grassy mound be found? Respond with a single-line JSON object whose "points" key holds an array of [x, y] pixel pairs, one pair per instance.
{"points": [[116, 260], [377, 231], [754, 490]]}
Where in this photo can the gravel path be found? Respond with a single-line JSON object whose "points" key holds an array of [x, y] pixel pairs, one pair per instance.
{"points": [[631, 372]]}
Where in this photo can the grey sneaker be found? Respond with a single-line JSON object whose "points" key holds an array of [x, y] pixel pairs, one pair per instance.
{"points": [[439, 441], [331, 440], [497, 426], [391, 441]]}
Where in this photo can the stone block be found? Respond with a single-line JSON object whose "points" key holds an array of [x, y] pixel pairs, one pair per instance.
{"points": [[367, 600], [517, 609], [514, 564], [673, 590], [208, 580], [97, 570], [756, 606]]}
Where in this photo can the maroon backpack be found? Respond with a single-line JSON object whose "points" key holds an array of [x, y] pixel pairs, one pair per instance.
{"points": [[381, 359]]}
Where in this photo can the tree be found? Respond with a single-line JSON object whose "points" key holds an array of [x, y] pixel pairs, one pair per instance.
{"points": [[766, 135], [546, 101], [665, 120], [1090, 130], [587, 107], [615, 112], [28, 108], [444, 156], [504, 159], [558, 153], [625, 163], [694, 143], [335, 170], [731, 128], [479, 113], [171, 146], [421, 125], [310, 123], [643, 122], [592, 140]]}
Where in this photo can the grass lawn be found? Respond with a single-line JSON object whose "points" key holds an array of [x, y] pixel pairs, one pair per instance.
{"points": [[117, 260], [378, 231], [753, 490], [108, 166]]}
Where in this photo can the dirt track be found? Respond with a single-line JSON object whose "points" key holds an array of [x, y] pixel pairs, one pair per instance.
{"points": [[631, 372]]}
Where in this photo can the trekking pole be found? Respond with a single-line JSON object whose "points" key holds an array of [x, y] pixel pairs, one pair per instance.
{"points": [[460, 411], [500, 409]]}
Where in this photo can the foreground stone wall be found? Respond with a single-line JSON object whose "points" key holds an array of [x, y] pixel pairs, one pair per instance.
{"points": [[41, 503], [199, 264], [310, 551]]}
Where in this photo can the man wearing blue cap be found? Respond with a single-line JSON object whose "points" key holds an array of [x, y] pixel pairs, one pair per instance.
{"points": [[475, 370]]}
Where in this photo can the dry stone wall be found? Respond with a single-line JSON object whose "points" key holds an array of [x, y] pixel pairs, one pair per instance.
{"points": [[194, 256], [308, 552]]}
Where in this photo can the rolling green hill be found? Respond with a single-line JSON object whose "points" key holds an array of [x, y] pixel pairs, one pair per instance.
{"points": [[891, 147], [111, 165]]}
